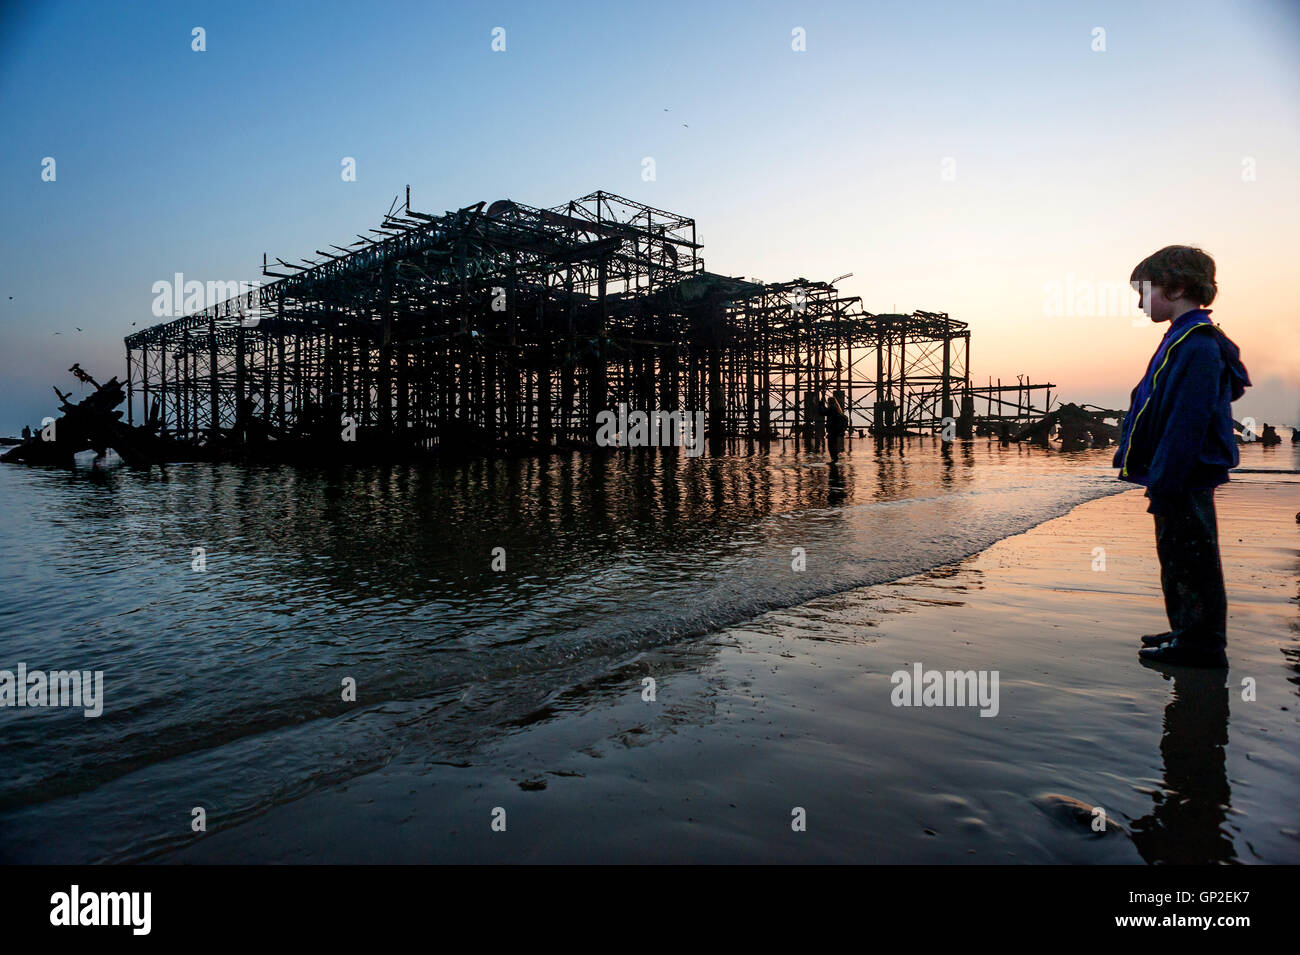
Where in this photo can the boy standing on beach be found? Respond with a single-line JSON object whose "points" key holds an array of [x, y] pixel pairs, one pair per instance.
{"points": [[1178, 441]]}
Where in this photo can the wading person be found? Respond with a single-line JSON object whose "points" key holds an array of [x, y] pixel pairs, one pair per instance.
{"points": [[837, 423], [1177, 441]]}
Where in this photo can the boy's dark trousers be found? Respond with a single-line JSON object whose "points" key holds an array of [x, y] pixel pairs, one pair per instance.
{"points": [[1187, 540]]}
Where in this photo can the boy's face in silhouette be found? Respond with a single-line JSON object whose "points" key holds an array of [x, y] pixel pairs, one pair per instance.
{"points": [[1152, 301], [1159, 305]]}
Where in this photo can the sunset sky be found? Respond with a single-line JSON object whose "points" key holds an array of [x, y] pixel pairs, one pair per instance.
{"points": [[982, 159]]}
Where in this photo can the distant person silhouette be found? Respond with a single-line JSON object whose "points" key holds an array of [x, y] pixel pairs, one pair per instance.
{"points": [[1177, 440], [837, 423]]}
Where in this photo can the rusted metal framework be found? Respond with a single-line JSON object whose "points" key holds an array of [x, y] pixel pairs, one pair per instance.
{"points": [[891, 373], [513, 326]]}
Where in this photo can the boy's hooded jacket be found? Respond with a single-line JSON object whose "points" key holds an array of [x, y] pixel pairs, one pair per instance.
{"points": [[1178, 433]]}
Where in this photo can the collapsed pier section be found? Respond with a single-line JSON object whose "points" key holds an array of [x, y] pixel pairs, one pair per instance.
{"points": [[506, 326]]}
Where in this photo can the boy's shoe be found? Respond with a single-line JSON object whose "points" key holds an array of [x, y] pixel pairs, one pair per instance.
{"points": [[1187, 655], [1155, 639]]}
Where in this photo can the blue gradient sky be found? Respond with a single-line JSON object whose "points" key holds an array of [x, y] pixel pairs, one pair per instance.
{"points": [[1071, 165]]}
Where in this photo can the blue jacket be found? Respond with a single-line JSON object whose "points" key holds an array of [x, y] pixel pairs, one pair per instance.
{"points": [[1178, 433]]}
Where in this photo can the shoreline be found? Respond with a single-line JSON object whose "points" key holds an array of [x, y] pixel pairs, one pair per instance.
{"points": [[792, 711]]}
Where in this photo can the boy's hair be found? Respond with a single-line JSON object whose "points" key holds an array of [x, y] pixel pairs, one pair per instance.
{"points": [[1179, 270]]}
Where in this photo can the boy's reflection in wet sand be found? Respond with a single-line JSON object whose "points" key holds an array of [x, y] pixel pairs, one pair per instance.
{"points": [[1187, 824]]}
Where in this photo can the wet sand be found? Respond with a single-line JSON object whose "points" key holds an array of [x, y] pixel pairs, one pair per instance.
{"points": [[793, 709]]}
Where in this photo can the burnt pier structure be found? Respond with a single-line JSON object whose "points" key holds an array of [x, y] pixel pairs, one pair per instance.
{"points": [[504, 326]]}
